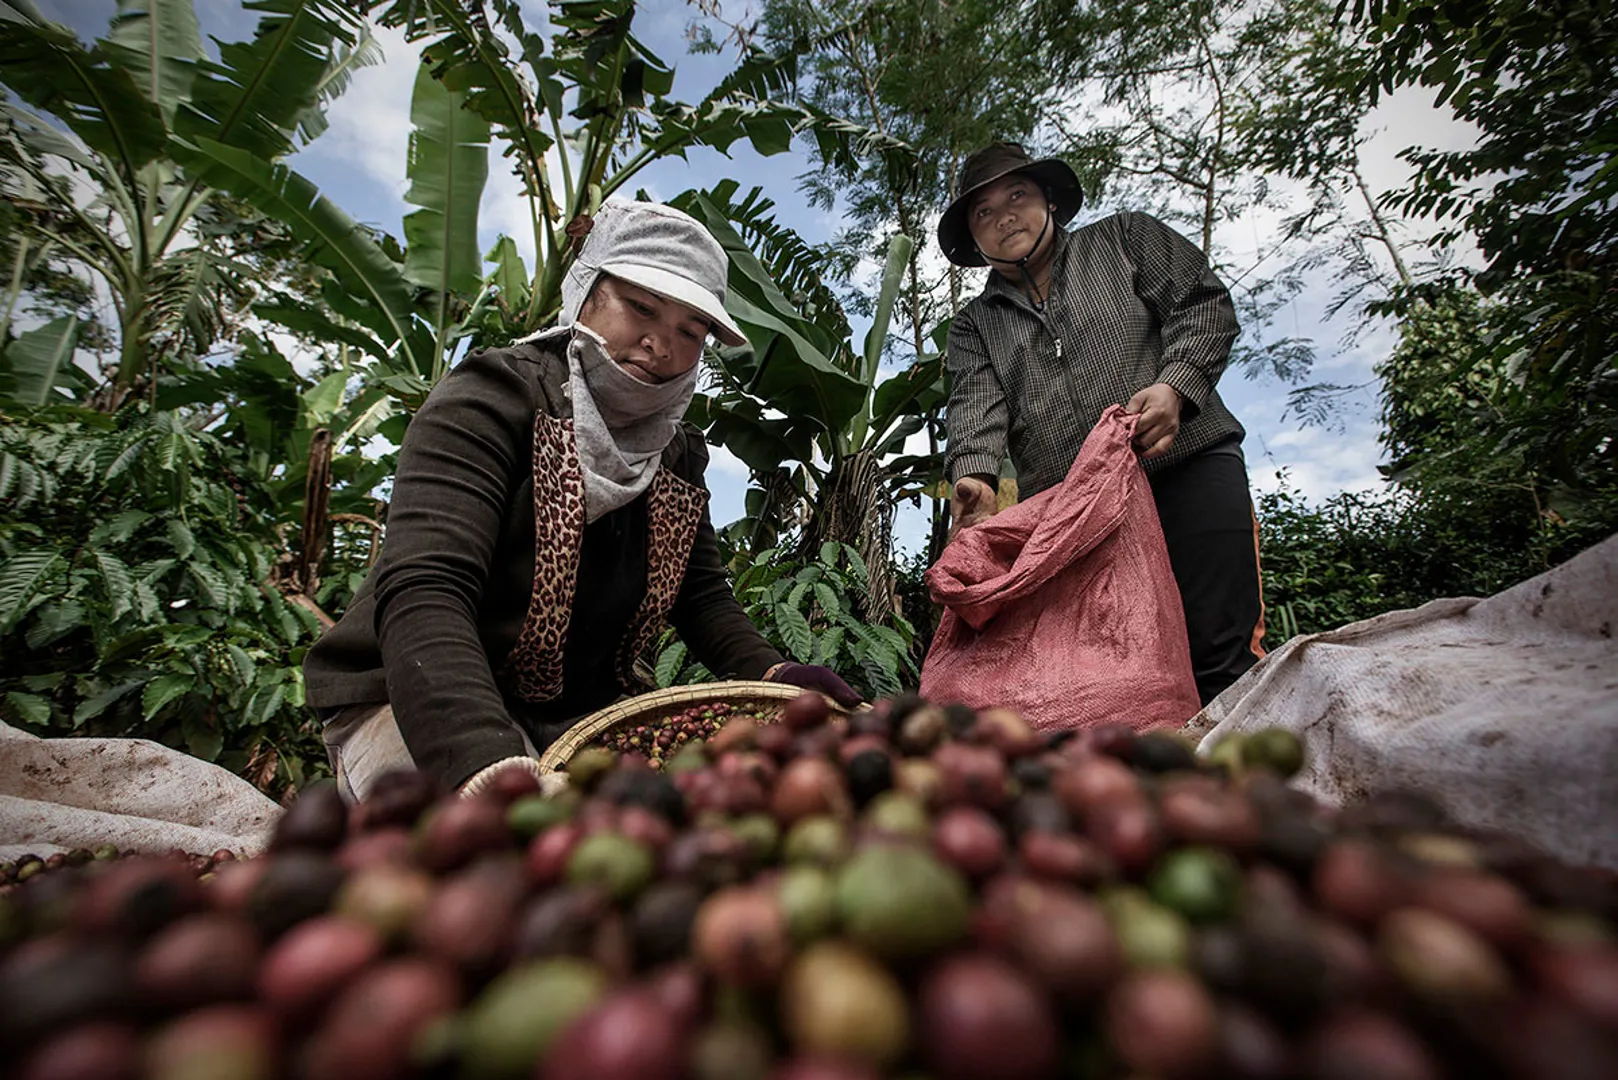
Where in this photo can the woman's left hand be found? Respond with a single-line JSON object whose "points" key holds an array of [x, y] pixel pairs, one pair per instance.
{"points": [[815, 677]]}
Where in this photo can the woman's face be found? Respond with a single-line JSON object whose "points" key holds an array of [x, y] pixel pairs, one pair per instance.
{"points": [[1008, 217], [652, 338]]}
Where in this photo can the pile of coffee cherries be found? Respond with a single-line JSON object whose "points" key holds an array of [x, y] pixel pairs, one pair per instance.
{"points": [[914, 891]]}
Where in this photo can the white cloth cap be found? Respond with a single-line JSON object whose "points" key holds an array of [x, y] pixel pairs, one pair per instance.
{"points": [[660, 249]]}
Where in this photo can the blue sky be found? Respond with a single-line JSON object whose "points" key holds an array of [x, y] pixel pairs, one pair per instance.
{"points": [[359, 163]]}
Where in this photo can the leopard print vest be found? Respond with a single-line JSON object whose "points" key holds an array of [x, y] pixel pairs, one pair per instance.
{"points": [[674, 510]]}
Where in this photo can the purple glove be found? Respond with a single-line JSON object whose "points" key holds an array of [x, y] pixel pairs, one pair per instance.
{"points": [[816, 677]]}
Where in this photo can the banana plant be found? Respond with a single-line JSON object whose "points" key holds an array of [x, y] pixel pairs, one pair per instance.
{"points": [[802, 396], [396, 313], [99, 146], [580, 115], [806, 608], [409, 307]]}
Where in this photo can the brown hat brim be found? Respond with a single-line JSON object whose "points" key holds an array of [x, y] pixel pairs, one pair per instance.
{"points": [[1053, 174]]}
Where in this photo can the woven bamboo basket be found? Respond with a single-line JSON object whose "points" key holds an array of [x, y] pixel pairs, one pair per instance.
{"points": [[660, 704]]}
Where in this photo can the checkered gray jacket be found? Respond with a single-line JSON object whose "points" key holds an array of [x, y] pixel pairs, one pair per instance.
{"points": [[1132, 302]]}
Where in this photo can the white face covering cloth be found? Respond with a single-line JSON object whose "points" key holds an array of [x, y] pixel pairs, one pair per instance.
{"points": [[621, 424]]}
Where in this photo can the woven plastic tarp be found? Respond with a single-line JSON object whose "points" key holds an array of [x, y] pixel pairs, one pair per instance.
{"points": [[1502, 711], [60, 794], [1064, 607]]}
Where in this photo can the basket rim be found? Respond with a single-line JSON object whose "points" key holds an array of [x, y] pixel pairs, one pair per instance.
{"points": [[574, 738]]}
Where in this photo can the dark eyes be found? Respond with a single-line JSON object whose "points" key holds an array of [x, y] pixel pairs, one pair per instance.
{"points": [[984, 209], [646, 311]]}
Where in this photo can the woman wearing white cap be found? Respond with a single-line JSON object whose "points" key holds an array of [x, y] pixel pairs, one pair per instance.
{"points": [[548, 520]]}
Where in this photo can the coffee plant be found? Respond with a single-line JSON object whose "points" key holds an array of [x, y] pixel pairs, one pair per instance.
{"points": [[811, 612], [136, 594]]}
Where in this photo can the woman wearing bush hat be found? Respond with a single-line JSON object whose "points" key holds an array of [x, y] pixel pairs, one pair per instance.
{"points": [[547, 521], [1122, 311]]}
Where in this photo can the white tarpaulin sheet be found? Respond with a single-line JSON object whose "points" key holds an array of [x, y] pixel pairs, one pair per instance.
{"points": [[60, 794], [1503, 711]]}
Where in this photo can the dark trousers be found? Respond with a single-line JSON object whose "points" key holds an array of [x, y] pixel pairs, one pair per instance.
{"points": [[1212, 534]]}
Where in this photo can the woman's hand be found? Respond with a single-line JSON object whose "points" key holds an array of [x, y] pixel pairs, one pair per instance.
{"points": [[972, 500], [815, 677], [1159, 408]]}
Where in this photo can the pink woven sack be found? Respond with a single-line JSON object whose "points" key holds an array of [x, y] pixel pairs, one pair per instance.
{"points": [[1064, 607]]}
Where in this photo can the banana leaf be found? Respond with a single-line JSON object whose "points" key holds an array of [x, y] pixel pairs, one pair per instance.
{"points": [[37, 361], [792, 358], [509, 276], [258, 92], [740, 426], [304, 319], [899, 249], [332, 238], [345, 61], [466, 55], [98, 100], [447, 166], [791, 370], [158, 43], [918, 388]]}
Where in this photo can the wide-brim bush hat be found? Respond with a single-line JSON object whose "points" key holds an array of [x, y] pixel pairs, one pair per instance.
{"points": [[986, 166], [660, 249]]}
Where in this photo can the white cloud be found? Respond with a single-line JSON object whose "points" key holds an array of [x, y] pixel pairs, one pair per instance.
{"points": [[369, 126], [1408, 117], [1314, 461], [725, 463]]}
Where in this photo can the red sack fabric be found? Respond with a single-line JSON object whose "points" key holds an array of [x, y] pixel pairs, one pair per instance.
{"points": [[1064, 607]]}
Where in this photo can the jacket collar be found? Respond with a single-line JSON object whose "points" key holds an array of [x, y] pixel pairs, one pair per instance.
{"points": [[547, 350]]}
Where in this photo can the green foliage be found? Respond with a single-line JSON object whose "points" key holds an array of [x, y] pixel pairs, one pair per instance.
{"points": [[1549, 192], [840, 429], [173, 624], [1441, 381], [143, 535], [371, 288], [1538, 194], [889, 66], [1326, 566], [1353, 556], [93, 94], [808, 609], [449, 162], [915, 600], [261, 93], [39, 360], [134, 596], [594, 70], [141, 550], [1470, 438], [128, 116], [1500, 400]]}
